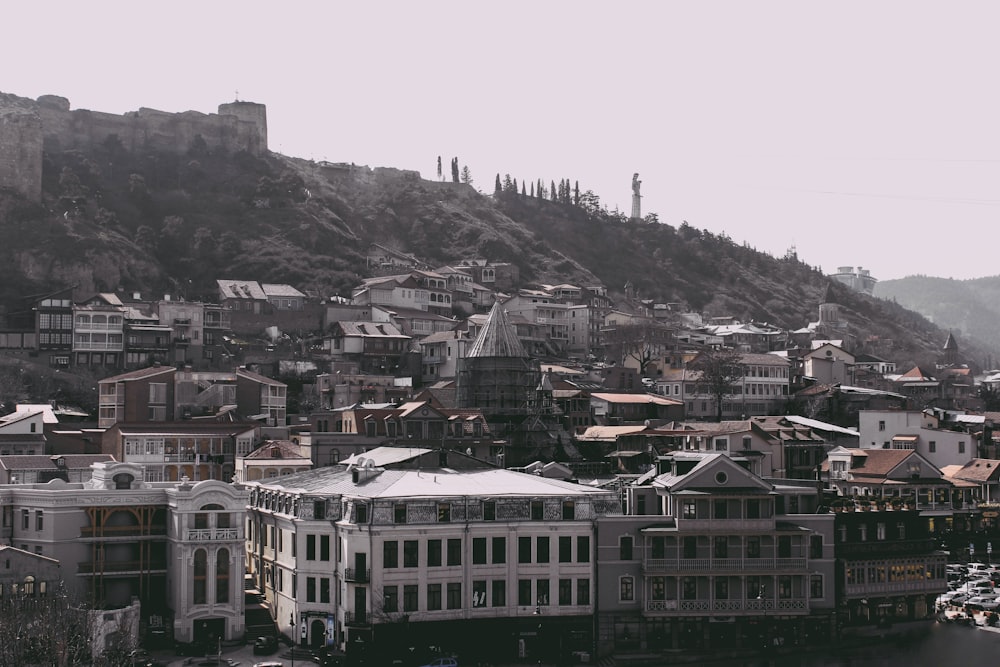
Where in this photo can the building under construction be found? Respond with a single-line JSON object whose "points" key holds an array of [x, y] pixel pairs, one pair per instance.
{"points": [[499, 378]]}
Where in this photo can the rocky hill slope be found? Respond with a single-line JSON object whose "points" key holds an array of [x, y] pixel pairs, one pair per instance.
{"points": [[160, 222]]}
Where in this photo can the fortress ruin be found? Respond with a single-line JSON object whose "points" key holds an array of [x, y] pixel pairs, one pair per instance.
{"points": [[28, 128]]}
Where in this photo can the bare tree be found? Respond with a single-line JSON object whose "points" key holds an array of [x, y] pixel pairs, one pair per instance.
{"points": [[720, 370], [644, 341]]}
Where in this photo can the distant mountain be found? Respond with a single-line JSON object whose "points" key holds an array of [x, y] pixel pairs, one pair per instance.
{"points": [[969, 308], [172, 221]]}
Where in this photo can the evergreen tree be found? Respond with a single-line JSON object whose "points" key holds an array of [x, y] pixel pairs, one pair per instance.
{"points": [[454, 170], [466, 175], [532, 189], [576, 193], [440, 176], [508, 184], [515, 186], [498, 187], [552, 192], [523, 193]]}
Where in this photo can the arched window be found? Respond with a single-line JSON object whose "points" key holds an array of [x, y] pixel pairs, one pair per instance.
{"points": [[200, 576], [222, 576], [29, 585]]}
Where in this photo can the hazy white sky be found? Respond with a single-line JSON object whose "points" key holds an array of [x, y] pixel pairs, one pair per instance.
{"points": [[862, 133]]}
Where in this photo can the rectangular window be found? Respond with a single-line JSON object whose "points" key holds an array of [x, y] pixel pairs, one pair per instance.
{"points": [[542, 550], [499, 549], [433, 553], [499, 593], [410, 597], [537, 510], [721, 509], [568, 510], [479, 593], [625, 547], [932, 446], [721, 588], [399, 513], [410, 556], [565, 592], [524, 592], [455, 595], [455, 552], [815, 546], [444, 512], [784, 587], [479, 551], [583, 591], [626, 589], [961, 447], [489, 510], [324, 589], [390, 599], [524, 550], [433, 597], [324, 547], [689, 510], [542, 592], [880, 530], [583, 549], [38, 520], [565, 549], [816, 586], [753, 508], [390, 554], [361, 514], [310, 589]]}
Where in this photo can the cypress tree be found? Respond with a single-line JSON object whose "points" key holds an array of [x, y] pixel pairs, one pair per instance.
{"points": [[498, 187]]}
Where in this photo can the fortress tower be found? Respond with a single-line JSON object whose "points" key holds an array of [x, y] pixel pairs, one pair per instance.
{"points": [[249, 112]]}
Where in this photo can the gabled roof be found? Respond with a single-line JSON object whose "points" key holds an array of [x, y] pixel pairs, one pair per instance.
{"points": [[498, 337], [285, 450], [370, 329], [142, 374], [914, 375], [241, 289], [705, 476], [280, 289], [633, 399]]}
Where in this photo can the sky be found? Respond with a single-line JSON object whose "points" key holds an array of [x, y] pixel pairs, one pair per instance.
{"points": [[857, 133]]}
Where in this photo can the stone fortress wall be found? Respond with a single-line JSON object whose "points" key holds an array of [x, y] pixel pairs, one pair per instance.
{"points": [[29, 127]]}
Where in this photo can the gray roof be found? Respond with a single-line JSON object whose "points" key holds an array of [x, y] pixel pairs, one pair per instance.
{"points": [[498, 337], [429, 483]]}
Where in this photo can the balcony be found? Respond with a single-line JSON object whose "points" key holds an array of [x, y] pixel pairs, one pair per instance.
{"points": [[885, 548], [158, 530], [357, 576], [896, 588], [113, 346], [213, 534], [652, 565], [181, 341], [752, 606], [357, 619], [727, 525], [182, 321], [122, 567]]}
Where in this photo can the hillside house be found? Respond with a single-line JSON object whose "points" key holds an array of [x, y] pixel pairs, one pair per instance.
{"points": [[242, 295]]}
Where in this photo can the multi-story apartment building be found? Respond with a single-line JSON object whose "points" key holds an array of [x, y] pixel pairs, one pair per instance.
{"points": [[918, 431], [470, 560], [420, 290], [176, 547], [439, 355], [377, 348], [164, 394], [54, 327], [763, 388], [169, 451], [186, 320], [99, 332], [712, 555]]}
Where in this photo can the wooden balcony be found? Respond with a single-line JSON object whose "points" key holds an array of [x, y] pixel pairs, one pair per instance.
{"points": [[723, 565], [750, 607]]}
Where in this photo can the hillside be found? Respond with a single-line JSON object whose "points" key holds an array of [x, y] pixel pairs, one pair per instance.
{"points": [[969, 308], [172, 222]]}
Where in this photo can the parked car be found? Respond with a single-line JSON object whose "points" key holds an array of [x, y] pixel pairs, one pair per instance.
{"points": [[975, 568], [265, 645], [442, 662], [269, 663]]}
